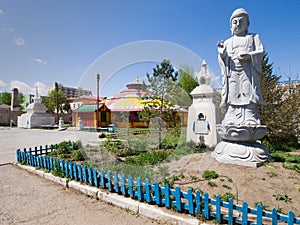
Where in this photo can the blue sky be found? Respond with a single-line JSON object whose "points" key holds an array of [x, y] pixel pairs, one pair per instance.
{"points": [[47, 41]]}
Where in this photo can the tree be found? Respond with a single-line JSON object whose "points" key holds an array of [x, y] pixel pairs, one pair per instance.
{"points": [[281, 113], [50, 101], [161, 89], [186, 79], [6, 99]]}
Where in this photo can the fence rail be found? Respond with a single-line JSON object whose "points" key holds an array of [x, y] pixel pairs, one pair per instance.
{"points": [[190, 202]]}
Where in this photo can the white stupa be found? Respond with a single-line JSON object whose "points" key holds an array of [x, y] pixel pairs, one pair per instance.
{"points": [[35, 115]]}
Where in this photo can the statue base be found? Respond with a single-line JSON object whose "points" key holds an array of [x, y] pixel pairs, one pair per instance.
{"points": [[240, 145], [241, 153]]}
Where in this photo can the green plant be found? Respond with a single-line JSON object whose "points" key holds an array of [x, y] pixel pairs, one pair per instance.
{"points": [[230, 180], [57, 171], [102, 135], [210, 174], [280, 197], [299, 189], [64, 148], [226, 186], [212, 184], [291, 166], [37, 167], [225, 197], [23, 162], [78, 155], [263, 204], [272, 174], [193, 177]]}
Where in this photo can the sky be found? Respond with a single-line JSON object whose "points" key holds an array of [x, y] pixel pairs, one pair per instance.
{"points": [[70, 41]]}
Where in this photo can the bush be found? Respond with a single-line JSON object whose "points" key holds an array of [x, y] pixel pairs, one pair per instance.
{"points": [[102, 135], [78, 156], [210, 174], [64, 148]]}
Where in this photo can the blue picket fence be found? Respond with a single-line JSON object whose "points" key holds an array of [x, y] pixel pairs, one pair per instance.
{"points": [[191, 202]]}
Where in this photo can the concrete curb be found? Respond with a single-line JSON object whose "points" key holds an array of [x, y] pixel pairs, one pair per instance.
{"points": [[144, 209]]}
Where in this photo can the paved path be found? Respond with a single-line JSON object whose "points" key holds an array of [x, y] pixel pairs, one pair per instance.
{"points": [[29, 199]]}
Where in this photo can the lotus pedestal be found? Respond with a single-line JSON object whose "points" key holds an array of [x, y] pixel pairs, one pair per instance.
{"points": [[241, 145]]}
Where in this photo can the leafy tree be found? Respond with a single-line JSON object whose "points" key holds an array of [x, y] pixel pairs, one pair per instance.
{"points": [[281, 112], [186, 79], [5, 98], [50, 101], [161, 87]]}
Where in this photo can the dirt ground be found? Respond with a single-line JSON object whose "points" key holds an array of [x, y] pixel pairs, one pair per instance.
{"points": [[30, 199], [248, 184]]}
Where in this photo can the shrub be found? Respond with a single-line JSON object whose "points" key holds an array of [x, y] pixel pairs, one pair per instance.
{"points": [[102, 135], [210, 174], [78, 156], [64, 148], [225, 197]]}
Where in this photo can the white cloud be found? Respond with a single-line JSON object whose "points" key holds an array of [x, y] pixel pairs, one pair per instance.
{"points": [[1, 12], [39, 61], [19, 41], [25, 88], [2, 84]]}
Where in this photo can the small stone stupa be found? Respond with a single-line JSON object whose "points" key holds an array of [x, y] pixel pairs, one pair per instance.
{"points": [[35, 115], [203, 114]]}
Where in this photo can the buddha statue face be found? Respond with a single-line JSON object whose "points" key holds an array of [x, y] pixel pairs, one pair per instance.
{"points": [[239, 25]]}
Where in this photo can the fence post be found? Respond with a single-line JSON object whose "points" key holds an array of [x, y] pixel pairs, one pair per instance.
{"points": [[90, 176], [75, 172], [230, 212], [109, 183], [274, 216], [116, 182], [291, 217], [84, 174], [147, 188], [18, 155], [96, 180], [130, 186], [139, 191], [67, 168], [178, 198], [191, 201], [46, 149], [71, 174], [198, 202], [123, 187], [206, 206], [245, 213], [218, 209], [157, 193], [259, 214], [167, 196], [79, 172], [35, 150], [102, 178]]}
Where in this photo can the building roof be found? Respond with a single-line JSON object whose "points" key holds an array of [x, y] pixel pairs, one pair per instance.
{"points": [[88, 108], [129, 99]]}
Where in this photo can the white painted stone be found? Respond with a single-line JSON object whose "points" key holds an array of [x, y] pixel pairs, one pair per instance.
{"points": [[59, 180], [119, 200], [158, 214], [85, 189]]}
